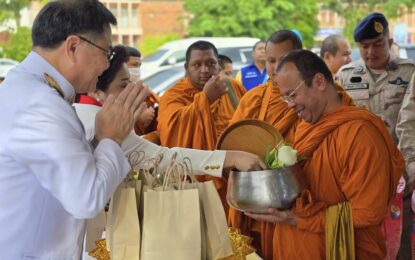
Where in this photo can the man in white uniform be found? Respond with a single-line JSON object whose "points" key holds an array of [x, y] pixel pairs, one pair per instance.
{"points": [[51, 179]]}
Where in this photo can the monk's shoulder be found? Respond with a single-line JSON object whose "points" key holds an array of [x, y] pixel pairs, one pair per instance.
{"points": [[361, 131], [254, 95], [179, 87], [237, 85]]}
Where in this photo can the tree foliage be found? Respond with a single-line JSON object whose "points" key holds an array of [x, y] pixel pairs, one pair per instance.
{"points": [[10, 10], [254, 18], [151, 43], [19, 46], [355, 10]]}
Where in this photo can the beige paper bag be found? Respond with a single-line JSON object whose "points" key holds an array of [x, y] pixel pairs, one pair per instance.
{"points": [[123, 227], [171, 225], [218, 242], [94, 229]]}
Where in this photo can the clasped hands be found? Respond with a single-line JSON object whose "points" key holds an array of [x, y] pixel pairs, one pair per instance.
{"points": [[119, 113]]}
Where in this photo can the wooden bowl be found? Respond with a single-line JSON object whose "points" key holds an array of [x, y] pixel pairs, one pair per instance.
{"points": [[250, 135]]}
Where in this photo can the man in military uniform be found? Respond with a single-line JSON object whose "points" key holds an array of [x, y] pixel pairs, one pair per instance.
{"points": [[378, 81]]}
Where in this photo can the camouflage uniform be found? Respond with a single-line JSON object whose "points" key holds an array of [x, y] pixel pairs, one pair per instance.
{"points": [[405, 128], [383, 96]]}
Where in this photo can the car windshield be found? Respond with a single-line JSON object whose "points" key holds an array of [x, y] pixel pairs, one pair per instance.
{"points": [[155, 56], [157, 79]]}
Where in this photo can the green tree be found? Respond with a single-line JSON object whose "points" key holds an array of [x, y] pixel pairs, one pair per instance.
{"points": [[10, 10], [152, 42], [354, 10], [19, 46], [254, 18]]}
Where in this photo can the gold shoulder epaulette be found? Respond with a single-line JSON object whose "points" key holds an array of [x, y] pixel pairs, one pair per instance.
{"points": [[52, 82]]}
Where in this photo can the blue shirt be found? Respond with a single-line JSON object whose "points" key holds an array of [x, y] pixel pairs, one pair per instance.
{"points": [[251, 76]]}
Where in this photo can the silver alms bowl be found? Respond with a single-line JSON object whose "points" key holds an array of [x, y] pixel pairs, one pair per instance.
{"points": [[257, 191]]}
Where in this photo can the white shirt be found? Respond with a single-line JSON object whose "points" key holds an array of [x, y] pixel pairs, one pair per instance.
{"points": [[50, 179]]}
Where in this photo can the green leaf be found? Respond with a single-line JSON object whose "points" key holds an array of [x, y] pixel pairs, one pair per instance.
{"points": [[253, 18]]}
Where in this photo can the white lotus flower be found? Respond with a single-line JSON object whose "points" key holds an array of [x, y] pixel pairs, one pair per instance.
{"points": [[287, 155]]}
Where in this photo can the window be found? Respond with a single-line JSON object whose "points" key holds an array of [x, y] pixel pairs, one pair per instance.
{"points": [[134, 16], [124, 17]]}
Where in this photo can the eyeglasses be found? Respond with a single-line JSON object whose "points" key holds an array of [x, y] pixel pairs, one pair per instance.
{"points": [[289, 98], [108, 53]]}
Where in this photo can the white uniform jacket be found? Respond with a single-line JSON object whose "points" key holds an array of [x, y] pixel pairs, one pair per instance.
{"points": [[50, 178]]}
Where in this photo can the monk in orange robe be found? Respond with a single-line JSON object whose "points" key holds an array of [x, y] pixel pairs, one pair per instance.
{"points": [[350, 158], [264, 103], [195, 111]]}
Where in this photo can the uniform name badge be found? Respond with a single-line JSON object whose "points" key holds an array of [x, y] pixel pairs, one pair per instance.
{"points": [[353, 86]]}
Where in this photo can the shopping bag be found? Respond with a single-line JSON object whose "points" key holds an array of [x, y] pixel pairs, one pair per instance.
{"points": [[123, 227], [217, 241], [94, 229], [171, 218]]}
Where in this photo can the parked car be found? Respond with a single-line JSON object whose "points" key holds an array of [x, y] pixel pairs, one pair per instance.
{"points": [[239, 49], [409, 50], [6, 65], [164, 79]]}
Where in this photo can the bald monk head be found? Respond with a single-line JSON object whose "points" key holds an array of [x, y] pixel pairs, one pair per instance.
{"points": [[307, 85], [279, 44], [202, 63]]}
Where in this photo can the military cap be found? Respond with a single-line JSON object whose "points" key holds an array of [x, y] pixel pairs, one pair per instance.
{"points": [[370, 27]]}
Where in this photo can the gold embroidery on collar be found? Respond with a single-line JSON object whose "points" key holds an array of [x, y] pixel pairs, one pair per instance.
{"points": [[52, 82]]}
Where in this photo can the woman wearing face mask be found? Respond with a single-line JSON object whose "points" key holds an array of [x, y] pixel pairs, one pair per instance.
{"points": [[113, 81], [147, 122]]}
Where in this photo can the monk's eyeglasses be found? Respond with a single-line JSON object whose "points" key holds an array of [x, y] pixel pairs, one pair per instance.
{"points": [[289, 98], [108, 53]]}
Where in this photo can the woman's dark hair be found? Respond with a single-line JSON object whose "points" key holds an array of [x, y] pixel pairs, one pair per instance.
{"points": [[133, 52], [120, 57], [308, 65], [59, 19]]}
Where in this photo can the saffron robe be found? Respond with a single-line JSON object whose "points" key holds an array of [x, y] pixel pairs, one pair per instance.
{"points": [[263, 103], [340, 149], [187, 119]]}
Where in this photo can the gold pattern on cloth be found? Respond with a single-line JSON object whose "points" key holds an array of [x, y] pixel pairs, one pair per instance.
{"points": [[52, 82], [100, 252], [241, 245]]}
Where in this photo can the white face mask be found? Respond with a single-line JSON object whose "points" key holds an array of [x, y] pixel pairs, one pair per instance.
{"points": [[135, 74]]}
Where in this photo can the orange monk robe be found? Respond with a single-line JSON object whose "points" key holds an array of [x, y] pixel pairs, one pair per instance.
{"points": [[353, 147], [285, 120], [267, 98], [187, 119]]}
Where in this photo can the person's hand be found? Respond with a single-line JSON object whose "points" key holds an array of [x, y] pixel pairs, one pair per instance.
{"points": [[118, 114], [276, 216], [215, 87], [147, 116], [243, 161]]}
